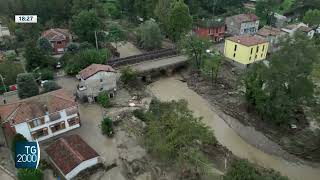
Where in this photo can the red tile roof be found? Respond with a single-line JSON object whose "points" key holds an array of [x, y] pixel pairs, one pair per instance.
{"points": [[69, 151], [93, 69], [247, 40], [269, 31], [240, 18], [36, 106], [56, 34]]}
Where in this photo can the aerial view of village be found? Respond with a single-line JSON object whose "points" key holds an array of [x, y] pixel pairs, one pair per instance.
{"points": [[160, 89]]}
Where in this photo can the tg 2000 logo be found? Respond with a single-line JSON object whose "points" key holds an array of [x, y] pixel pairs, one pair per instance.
{"points": [[27, 155]]}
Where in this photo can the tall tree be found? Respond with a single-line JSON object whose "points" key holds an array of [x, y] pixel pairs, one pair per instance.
{"points": [[36, 58], [27, 85], [149, 35], [162, 13], [312, 17], [85, 24], [44, 45], [116, 34], [180, 20], [264, 9]]}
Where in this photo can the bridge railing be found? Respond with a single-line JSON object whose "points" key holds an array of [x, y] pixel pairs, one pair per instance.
{"points": [[142, 57]]}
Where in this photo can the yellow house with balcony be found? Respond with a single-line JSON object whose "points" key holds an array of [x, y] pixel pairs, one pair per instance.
{"points": [[246, 49]]}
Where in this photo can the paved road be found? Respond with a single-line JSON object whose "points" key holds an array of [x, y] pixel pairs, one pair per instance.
{"points": [[4, 175], [158, 63]]}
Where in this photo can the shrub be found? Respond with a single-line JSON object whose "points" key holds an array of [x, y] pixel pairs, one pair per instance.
{"points": [[149, 35], [107, 127], [128, 75], [27, 86], [46, 74], [103, 99], [30, 174], [138, 113], [50, 86]]}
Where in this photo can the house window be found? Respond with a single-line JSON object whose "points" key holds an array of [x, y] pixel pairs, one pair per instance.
{"points": [[101, 89], [39, 133], [257, 49], [262, 55], [234, 54], [59, 42], [235, 47], [263, 48], [73, 121], [256, 57], [250, 58], [37, 122], [57, 127], [251, 50], [111, 95]]}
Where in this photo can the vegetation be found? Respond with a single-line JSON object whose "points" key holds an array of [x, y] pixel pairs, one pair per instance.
{"points": [[176, 136], [312, 17], [116, 34], [46, 74], [195, 47], [103, 99], [212, 66], [16, 138], [44, 45], [50, 86], [9, 71], [139, 113], [27, 85], [279, 91], [128, 75], [149, 35], [77, 62], [265, 10], [242, 169], [107, 127], [28, 174]]}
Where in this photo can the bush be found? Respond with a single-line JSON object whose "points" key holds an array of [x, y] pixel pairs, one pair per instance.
{"points": [[103, 99], [50, 86], [107, 127], [139, 113], [128, 75], [27, 86], [46, 74], [30, 174], [149, 35]]}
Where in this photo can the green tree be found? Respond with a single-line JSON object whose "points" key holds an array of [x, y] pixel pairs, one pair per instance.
{"points": [[312, 17], [35, 58], [73, 48], [16, 138], [50, 86], [103, 99], [85, 24], [264, 9], [80, 5], [46, 74], [212, 66], [107, 127], [280, 89], [116, 34], [9, 70], [180, 20], [149, 35], [162, 13], [128, 75], [195, 48], [27, 85], [44, 45], [30, 174]]}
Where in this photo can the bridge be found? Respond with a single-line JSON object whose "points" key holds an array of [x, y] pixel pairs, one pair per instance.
{"points": [[152, 63]]}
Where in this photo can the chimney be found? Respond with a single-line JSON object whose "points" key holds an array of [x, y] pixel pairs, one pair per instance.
{"points": [[45, 108]]}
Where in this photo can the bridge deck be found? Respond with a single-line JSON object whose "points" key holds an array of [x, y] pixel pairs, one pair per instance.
{"points": [[159, 63]]}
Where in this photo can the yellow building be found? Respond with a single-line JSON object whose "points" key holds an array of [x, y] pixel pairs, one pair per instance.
{"points": [[246, 49]]}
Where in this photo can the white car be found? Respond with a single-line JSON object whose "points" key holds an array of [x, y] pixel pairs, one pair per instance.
{"points": [[58, 66], [43, 82]]}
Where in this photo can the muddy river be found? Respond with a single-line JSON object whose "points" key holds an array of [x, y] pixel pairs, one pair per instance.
{"points": [[173, 89]]}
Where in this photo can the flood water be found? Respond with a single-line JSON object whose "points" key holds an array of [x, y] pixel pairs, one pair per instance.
{"points": [[172, 89]]}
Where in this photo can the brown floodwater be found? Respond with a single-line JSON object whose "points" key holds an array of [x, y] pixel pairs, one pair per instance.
{"points": [[172, 89]]}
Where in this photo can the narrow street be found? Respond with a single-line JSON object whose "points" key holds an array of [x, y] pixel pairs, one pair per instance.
{"points": [[172, 89]]}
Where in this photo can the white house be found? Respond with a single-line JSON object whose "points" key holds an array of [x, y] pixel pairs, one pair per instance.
{"points": [[4, 31], [94, 79], [41, 117], [71, 155], [292, 28]]}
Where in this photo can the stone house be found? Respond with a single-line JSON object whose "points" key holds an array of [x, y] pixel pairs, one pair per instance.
{"points": [[59, 39], [41, 117], [271, 34], [94, 79], [242, 24], [71, 155]]}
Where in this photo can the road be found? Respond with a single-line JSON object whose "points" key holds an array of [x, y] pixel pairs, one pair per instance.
{"points": [[165, 62], [173, 89]]}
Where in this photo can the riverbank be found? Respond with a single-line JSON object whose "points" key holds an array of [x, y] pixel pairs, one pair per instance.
{"points": [[174, 89]]}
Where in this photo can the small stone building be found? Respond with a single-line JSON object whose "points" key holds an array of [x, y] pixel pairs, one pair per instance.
{"points": [[242, 24]]}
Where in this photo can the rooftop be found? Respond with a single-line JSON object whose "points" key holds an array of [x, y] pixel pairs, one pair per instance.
{"points": [[70, 151], [207, 23], [93, 69], [56, 34], [247, 40], [269, 31], [37, 106], [240, 18]]}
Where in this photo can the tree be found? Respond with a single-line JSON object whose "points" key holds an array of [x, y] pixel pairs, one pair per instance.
{"points": [[46, 74], [103, 99], [149, 35], [80, 5], [85, 24], [28, 174], [116, 34], [73, 48], [107, 127], [16, 138], [27, 85], [312, 17], [9, 70], [264, 9], [35, 58], [128, 75], [162, 12], [280, 90], [180, 20], [50, 86], [44, 45], [176, 136], [195, 48], [212, 66]]}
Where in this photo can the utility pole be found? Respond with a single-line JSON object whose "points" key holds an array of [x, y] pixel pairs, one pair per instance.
{"points": [[95, 36], [5, 88]]}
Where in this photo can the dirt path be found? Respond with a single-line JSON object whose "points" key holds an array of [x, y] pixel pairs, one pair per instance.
{"points": [[173, 89]]}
